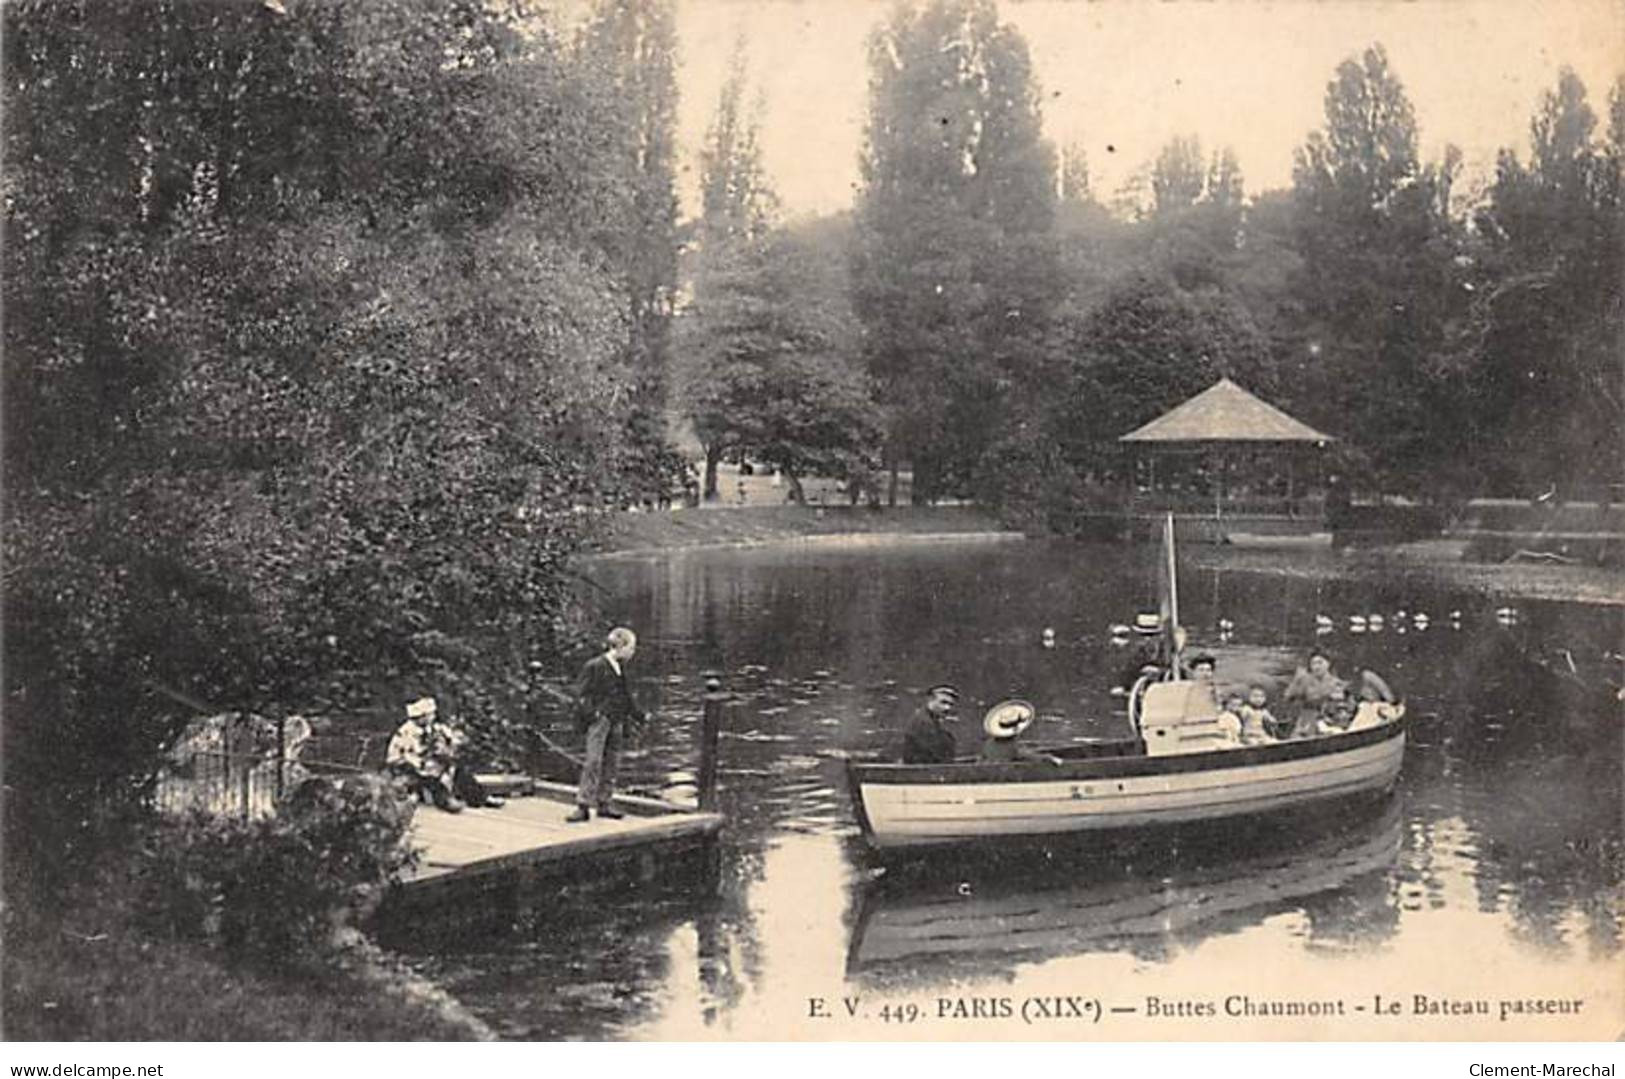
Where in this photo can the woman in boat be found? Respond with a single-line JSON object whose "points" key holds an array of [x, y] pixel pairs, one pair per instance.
{"points": [[1306, 695], [1004, 724]]}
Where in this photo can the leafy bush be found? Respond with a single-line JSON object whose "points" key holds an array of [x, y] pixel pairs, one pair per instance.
{"points": [[279, 888]]}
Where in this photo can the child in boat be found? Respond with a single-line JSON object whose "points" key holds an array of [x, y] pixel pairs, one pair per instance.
{"points": [[1230, 723], [1258, 726], [1337, 713]]}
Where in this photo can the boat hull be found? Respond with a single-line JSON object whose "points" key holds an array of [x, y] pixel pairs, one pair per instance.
{"points": [[920, 805]]}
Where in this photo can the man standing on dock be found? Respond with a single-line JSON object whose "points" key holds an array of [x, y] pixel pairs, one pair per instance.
{"points": [[604, 707]]}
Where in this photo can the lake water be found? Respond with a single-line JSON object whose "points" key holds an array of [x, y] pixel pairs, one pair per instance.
{"points": [[1493, 874]]}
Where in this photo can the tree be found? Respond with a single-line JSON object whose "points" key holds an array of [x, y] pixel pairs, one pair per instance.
{"points": [[1177, 177], [723, 326], [736, 202], [631, 46], [1544, 334], [1378, 284], [295, 430], [769, 359], [1075, 187], [953, 257]]}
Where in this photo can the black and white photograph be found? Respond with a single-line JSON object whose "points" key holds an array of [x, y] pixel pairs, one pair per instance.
{"points": [[738, 521]]}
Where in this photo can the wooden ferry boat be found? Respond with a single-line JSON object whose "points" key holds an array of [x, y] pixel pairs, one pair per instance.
{"points": [[1177, 768]]}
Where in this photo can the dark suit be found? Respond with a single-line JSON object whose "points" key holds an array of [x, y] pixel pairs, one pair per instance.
{"points": [[927, 741], [605, 706]]}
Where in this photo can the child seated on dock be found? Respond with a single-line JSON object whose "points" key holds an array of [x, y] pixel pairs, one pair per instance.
{"points": [[413, 758], [426, 751]]}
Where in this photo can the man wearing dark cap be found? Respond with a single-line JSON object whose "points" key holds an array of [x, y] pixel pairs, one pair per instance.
{"points": [[927, 741]]}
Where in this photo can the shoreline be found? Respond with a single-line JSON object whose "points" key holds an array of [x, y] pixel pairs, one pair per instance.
{"points": [[1434, 563], [836, 540]]}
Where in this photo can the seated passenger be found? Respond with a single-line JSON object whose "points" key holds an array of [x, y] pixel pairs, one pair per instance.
{"points": [[927, 741], [1376, 703], [1309, 690], [1230, 722], [1004, 723], [1337, 713], [1258, 726]]}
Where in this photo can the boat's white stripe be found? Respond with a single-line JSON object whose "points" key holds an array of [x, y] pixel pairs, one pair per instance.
{"points": [[903, 814], [1124, 795]]}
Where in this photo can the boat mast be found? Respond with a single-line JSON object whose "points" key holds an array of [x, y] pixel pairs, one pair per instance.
{"points": [[1168, 577]]}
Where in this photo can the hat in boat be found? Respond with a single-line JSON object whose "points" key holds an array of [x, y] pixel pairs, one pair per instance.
{"points": [[945, 690], [1008, 719], [1148, 624], [1204, 658], [423, 706]]}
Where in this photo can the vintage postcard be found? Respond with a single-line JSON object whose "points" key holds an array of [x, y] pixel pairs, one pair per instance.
{"points": [[815, 520]]}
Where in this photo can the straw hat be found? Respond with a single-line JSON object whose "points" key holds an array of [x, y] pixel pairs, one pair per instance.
{"points": [[423, 706], [1148, 624], [1008, 719]]}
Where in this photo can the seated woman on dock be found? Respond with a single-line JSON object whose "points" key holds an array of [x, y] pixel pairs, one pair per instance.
{"points": [[419, 757], [1004, 723]]}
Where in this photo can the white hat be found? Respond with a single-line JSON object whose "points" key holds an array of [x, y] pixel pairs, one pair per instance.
{"points": [[423, 706], [1148, 624], [1008, 718]]}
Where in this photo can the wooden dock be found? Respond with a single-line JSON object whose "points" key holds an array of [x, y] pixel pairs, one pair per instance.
{"points": [[489, 864]]}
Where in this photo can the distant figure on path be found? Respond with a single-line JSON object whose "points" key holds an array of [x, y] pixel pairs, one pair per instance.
{"points": [[604, 707], [927, 741]]}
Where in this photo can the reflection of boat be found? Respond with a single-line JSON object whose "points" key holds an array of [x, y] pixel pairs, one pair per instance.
{"points": [[1013, 915], [1179, 768], [1283, 541]]}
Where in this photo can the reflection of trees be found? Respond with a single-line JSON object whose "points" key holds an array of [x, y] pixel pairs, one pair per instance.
{"points": [[1537, 761]]}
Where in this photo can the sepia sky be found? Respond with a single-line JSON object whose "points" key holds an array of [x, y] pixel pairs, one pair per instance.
{"points": [[1125, 76]]}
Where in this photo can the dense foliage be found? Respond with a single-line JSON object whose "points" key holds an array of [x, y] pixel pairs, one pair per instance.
{"points": [[278, 889], [323, 323]]}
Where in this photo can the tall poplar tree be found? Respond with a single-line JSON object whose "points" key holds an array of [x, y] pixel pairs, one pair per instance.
{"points": [[1377, 280], [953, 255]]}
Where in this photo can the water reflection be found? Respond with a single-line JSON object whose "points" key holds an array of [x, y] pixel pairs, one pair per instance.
{"points": [[1140, 896], [1505, 838]]}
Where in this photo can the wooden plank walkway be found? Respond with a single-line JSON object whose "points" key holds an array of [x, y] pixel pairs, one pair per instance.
{"points": [[532, 830]]}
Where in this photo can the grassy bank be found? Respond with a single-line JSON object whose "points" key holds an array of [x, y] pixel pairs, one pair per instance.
{"points": [[726, 526], [1431, 563], [87, 973]]}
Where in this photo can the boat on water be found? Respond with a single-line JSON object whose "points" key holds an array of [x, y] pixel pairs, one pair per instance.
{"points": [[1267, 541], [1177, 767]]}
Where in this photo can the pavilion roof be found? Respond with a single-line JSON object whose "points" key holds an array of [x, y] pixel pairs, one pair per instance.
{"points": [[1224, 412]]}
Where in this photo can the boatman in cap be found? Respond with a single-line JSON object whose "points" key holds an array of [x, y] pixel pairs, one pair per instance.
{"points": [[1150, 653], [927, 740]]}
